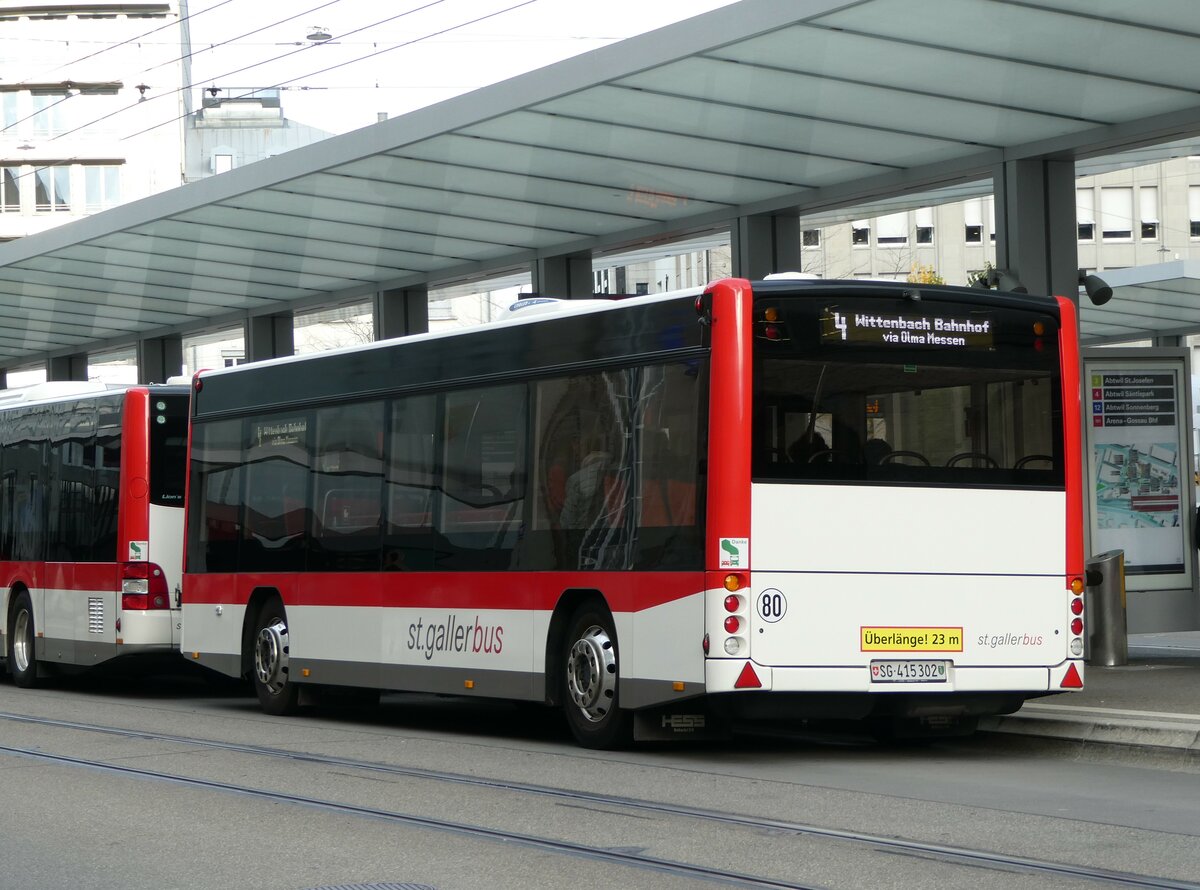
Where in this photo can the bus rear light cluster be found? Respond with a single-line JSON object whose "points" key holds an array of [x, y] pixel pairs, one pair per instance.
{"points": [[1076, 644], [735, 622], [143, 587]]}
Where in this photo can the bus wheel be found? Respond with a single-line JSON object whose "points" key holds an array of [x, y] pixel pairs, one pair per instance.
{"points": [[21, 659], [276, 693], [590, 678]]}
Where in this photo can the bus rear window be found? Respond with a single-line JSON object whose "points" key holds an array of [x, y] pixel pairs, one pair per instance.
{"points": [[833, 402], [168, 449]]}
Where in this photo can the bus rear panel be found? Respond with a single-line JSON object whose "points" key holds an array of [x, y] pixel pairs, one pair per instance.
{"points": [[911, 540]]}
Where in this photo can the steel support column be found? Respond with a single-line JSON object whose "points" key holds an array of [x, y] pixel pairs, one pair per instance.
{"points": [[1036, 227], [400, 312], [159, 358], [270, 336], [67, 367], [568, 276], [764, 244]]}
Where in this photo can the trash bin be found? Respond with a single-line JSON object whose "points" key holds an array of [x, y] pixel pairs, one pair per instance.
{"points": [[1108, 641]]}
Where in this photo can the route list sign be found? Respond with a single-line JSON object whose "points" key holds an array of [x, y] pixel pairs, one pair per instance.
{"points": [[1138, 466], [1120, 399]]}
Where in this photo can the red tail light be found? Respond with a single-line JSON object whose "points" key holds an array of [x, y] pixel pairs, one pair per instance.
{"points": [[143, 587]]}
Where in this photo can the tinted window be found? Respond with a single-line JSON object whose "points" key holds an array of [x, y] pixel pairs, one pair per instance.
{"points": [[483, 467], [347, 488], [214, 526], [410, 541], [276, 517], [107, 459], [615, 470], [25, 458], [72, 473]]}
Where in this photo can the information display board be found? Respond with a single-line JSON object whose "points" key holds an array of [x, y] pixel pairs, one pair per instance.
{"points": [[1139, 463]]}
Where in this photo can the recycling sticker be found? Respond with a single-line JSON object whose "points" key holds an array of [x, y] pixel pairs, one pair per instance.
{"points": [[735, 553]]}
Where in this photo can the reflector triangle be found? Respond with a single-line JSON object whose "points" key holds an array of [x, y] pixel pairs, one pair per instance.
{"points": [[1071, 680], [747, 679]]}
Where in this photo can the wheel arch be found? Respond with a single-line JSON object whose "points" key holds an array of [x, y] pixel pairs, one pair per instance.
{"points": [[570, 600], [13, 593], [259, 597]]}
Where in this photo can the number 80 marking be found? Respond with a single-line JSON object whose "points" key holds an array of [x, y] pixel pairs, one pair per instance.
{"points": [[772, 605]]}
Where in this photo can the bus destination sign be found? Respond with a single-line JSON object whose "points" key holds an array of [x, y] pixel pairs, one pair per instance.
{"points": [[891, 329]]}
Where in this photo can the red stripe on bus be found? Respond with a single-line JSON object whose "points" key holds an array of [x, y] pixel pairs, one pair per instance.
{"points": [[624, 591], [1068, 345], [133, 518], [80, 576], [729, 417]]}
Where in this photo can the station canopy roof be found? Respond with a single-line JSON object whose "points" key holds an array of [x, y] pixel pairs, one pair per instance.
{"points": [[760, 106]]}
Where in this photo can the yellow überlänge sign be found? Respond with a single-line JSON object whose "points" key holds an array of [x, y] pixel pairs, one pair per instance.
{"points": [[912, 639]]}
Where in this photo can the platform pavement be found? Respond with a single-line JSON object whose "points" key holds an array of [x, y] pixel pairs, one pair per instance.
{"points": [[1151, 702]]}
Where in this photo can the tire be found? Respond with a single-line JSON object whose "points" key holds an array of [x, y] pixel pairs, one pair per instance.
{"points": [[22, 654], [271, 648], [590, 676]]}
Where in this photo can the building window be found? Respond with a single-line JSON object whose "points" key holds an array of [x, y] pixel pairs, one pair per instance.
{"points": [[1148, 203], [52, 189], [1085, 213], [1116, 214], [102, 186], [222, 163], [8, 110], [892, 229], [924, 225], [860, 232], [810, 238], [48, 117], [10, 190], [973, 221]]}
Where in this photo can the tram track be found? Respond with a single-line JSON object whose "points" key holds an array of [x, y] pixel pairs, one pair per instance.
{"points": [[895, 845]]}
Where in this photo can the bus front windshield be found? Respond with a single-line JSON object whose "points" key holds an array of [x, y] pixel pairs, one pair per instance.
{"points": [[882, 391]]}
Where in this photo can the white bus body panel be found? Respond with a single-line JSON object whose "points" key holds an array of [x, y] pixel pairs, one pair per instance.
{"points": [[166, 551], [662, 643], [987, 565]]}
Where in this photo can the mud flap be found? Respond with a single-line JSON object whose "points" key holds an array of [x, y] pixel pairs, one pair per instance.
{"points": [[687, 721]]}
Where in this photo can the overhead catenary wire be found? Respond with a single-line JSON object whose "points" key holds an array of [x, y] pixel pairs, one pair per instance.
{"points": [[136, 39], [189, 86], [354, 61]]}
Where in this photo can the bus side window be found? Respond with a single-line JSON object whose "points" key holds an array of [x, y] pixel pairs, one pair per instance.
{"points": [[277, 497], [582, 472], [408, 543], [107, 461], [484, 472], [216, 488], [669, 533], [348, 488]]}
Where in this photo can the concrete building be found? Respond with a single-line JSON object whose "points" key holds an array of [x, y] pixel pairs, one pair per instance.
{"points": [[236, 127]]}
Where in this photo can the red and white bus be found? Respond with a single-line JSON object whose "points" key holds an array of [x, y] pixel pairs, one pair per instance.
{"points": [[785, 499], [91, 523]]}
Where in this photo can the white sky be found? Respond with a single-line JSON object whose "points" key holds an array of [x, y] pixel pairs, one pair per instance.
{"points": [[418, 66]]}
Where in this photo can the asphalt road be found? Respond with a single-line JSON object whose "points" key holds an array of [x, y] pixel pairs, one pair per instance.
{"points": [[113, 783]]}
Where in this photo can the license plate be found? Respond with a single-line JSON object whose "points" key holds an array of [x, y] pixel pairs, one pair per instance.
{"points": [[909, 671]]}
